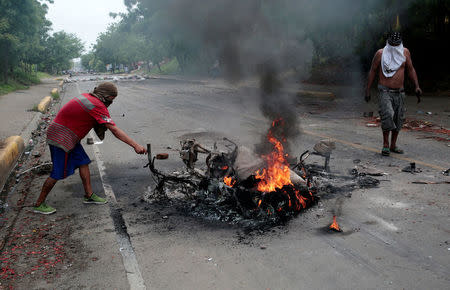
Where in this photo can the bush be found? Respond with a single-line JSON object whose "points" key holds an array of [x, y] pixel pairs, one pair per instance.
{"points": [[55, 94], [25, 78], [168, 68]]}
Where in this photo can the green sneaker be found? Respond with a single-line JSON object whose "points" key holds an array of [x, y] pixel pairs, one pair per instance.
{"points": [[95, 199], [44, 209]]}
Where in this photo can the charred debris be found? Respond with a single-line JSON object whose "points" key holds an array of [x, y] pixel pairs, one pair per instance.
{"points": [[238, 187]]}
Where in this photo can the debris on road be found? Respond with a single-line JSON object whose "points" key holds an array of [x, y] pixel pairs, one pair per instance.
{"points": [[416, 125], [38, 169], [324, 148], [161, 156], [446, 172], [437, 138], [411, 168], [430, 182], [426, 126], [239, 187], [107, 77], [363, 170]]}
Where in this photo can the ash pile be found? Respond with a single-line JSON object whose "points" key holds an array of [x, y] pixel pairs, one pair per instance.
{"points": [[236, 186]]}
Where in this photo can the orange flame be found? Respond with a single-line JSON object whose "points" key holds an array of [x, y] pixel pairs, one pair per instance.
{"points": [[224, 167], [277, 173], [228, 180], [335, 225]]}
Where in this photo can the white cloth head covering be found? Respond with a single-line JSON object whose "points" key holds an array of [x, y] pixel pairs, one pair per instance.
{"points": [[391, 59]]}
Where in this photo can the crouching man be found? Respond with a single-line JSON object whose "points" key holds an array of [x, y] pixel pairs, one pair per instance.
{"points": [[70, 126]]}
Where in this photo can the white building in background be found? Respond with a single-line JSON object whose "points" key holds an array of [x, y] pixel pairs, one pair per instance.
{"points": [[76, 65]]}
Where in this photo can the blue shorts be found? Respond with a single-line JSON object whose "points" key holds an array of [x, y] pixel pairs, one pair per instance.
{"points": [[64, 164]]}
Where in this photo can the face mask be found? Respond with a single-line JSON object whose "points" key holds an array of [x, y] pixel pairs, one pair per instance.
{"points": [[108, 101]]}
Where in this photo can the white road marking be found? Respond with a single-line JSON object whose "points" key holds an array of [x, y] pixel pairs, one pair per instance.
{"points": [[126, 249], [129, 260]]}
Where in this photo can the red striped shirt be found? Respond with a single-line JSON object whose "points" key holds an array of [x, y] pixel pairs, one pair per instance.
{"points": [[75, 120]]}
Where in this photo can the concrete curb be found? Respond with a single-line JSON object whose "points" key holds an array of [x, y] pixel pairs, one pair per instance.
{"points": [[316, 94], [44, 104], [9, 154]]}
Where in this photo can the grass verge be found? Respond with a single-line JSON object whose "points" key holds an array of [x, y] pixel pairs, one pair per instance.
{"points": [[11, 86], [171, 67], [21, 80], [42, 75]]}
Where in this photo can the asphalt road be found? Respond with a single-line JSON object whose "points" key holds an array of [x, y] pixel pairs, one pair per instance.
{"points": [[396, 236]]}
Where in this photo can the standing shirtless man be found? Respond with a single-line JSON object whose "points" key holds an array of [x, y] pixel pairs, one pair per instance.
{"points": [[390, 63]]}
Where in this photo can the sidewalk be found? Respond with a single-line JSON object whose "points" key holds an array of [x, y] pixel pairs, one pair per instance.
{"points": [[75, 247], [15, 108], [18, 118]]}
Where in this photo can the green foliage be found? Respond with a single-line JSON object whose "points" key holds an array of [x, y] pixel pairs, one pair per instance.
{"points": [[24, 77], [43, 75], [25, 44], [34, 109], [23, 28], [55, 96], [11, 87], [60, 49]]}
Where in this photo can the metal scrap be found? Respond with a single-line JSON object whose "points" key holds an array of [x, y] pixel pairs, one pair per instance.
{"points": [[411, 168], [189, 152]]}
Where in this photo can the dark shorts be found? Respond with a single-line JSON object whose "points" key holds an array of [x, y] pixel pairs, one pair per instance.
{"points": [[64, 164], [391, 108]]}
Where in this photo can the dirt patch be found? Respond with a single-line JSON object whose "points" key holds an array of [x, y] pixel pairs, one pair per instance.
{"points": [[34, 250], [38, 251]]}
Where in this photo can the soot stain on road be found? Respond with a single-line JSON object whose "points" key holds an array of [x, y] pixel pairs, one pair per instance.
{"points": [[169, 217]]}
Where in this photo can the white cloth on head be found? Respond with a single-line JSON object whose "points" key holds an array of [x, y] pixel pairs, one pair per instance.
{"points": [[391, 59]]}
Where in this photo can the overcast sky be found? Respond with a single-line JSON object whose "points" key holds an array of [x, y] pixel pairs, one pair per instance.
{"points": [[85, 18]]}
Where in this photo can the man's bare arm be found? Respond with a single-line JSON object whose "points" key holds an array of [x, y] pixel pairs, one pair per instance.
{"points": [[412, 74], [122, 136], [410, 68], [373, 71]]}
